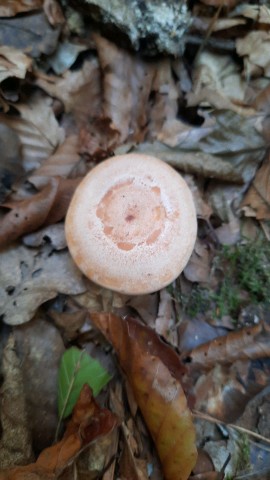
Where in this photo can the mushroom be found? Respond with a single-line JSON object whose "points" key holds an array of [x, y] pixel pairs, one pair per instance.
{"points": [[131, 225]]}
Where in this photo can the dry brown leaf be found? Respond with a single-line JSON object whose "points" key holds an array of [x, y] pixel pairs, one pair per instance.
{"points": [[13, 62], [256, 202], [218, 82], [27, 215], [79, 90], [164, 106], [198, 267], [88, 423], [258, 13], [37, 128], [61, 164], [12, 7], [53, 12], [151, 369], [249, 343], [16, 441], [165, 317], [30, 33], [130, 466], [30, 277], [126, 88], [66, 188], [255, 48]]}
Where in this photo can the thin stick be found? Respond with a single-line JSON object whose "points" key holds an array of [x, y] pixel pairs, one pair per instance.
{"points": [[204, 416]]}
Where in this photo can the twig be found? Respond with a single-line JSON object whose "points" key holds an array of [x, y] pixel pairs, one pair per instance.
{"points": [[204, 416]]}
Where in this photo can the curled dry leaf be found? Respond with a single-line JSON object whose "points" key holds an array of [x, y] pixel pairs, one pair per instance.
{"points": [[249, 343], [13, 63], [153, 370], [88, 422]]}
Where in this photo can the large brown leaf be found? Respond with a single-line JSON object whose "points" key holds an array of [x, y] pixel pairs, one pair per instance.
{"points": [[153, 370]]}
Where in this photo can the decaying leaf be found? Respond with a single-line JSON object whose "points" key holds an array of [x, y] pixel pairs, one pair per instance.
{"points": [[88, 423], [151, 369], [30, 277]]}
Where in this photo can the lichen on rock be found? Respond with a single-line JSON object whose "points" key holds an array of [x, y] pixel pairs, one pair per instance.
{"points": [[154, 26]]}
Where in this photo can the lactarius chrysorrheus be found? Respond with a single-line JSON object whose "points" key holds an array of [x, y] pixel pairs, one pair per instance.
{"points": [[131, 225]]}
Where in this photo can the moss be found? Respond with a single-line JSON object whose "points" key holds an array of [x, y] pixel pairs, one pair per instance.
{"points": [[244, 278]]}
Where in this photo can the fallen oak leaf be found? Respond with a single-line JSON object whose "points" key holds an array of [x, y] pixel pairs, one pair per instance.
{"points": [[88, 423], [158, 393]]}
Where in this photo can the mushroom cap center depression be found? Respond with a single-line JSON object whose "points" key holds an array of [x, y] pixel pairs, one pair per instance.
{"points": [[132, 214]]}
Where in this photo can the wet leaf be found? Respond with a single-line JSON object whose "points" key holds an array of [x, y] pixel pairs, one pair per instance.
{"points": [[146, 362], [88, 423], [30, 277], [76, 369]]}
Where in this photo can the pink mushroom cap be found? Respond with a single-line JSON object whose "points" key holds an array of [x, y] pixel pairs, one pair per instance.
{"points": [[131, 225]]}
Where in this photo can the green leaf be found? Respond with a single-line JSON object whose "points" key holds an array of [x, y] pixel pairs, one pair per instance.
{"points": [[76, 369]]}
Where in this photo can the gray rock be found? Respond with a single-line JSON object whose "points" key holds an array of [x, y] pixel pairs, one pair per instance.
{"points": [[152, 26]]}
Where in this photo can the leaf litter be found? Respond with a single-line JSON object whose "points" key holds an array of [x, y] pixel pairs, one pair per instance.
{"points": [[69, 99]]}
